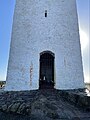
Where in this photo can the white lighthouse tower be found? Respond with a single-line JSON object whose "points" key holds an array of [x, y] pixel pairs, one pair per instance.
{"points": [[45, 47]]}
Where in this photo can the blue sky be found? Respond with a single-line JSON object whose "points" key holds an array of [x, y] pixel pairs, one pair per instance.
{"points": [[6, 19]]}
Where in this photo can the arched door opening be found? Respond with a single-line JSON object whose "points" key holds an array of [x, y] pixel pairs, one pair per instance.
{"points": [[46, 79]]}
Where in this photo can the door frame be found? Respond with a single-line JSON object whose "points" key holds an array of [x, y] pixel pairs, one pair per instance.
{"points": [[53, 55]]}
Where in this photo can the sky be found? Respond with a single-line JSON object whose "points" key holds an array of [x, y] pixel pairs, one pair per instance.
{"points": [[6, 20]]}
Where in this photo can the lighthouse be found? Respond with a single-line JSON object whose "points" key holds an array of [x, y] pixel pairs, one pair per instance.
{"points": [[45, 49]]}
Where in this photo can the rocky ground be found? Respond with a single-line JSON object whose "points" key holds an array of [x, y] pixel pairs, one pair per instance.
{"points": [[39, 105]]}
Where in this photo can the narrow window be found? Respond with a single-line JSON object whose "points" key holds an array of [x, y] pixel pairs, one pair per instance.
{"points": [[45, 13]]}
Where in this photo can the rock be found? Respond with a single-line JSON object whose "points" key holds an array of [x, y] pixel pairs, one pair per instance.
{"points": [[4, 107], [21, 108], [39, 103], [20, 100], [52, 114], [28, 111], [45, 104], [51, 106], [15, 107], [9, 107], [38, 112]]}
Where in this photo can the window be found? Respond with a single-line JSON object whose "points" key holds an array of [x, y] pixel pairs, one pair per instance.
{"points": [[45, 13]]}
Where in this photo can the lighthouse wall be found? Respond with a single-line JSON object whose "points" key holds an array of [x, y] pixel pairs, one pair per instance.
{"points": [[33, 33]]}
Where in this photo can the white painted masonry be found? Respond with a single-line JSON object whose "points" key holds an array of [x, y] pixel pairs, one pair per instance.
{"points": [[33, 33]]}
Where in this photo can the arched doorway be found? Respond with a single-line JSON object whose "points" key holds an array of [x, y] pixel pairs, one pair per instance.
{"points": [[46, 70]]}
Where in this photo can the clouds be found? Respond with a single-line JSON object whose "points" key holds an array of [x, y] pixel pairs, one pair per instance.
{"points": [[84, 40], [87, 78]]}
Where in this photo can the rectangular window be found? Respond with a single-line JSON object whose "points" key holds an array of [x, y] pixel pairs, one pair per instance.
{"points": [[45, 13]]}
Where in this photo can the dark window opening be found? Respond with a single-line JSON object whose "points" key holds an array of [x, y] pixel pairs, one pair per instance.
{"points": [[45, 13]]}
